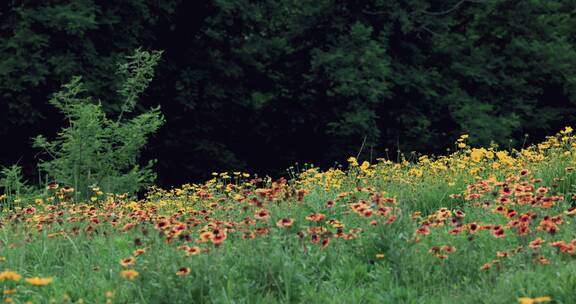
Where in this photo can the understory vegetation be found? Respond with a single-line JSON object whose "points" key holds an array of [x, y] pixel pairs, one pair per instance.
{"points": [[480, 225]]}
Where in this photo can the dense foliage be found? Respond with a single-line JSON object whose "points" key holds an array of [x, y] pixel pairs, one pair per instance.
{"points": [[262, 84]]}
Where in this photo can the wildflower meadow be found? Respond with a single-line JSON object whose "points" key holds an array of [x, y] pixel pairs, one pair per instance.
{"points": [[479, 225], [242, 151]]}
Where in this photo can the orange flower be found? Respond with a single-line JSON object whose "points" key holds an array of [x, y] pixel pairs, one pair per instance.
{"points": [[523, 230], [391, 219], [566, 248], [473, 227], [30, 210], [139, 251], [416, 215], [127, 227], [558, 244], [183, 271], [511, 213], [448, 248], [315, 217], [498, 232], [285, 222], [205, 236], [486, 266], [459, 213], [128, 261], [456, 230], [325, 243], [317, 230], [434, 249], [162, 225], [526, 300], [542, 190], [129, 274], [9, 275], [423, 230], [36, 281], [218, 236], [248, 235], [315, 238], [192, 251], [367, 213], [67, 189], [499, 210], [570, 211], [537, 243], [543, 260], [262, 214], [262, 231]]}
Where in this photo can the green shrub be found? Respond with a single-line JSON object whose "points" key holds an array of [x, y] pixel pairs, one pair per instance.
{"points": [[13, 185], [96, 150]]}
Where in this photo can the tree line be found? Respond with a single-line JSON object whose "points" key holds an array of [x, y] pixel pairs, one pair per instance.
{"points": [[260, 85]]}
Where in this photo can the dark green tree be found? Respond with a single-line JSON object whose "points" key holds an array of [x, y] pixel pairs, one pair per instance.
{"points": [[263, 84]]}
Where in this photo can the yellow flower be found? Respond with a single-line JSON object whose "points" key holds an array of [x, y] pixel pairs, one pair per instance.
{"points": [[353, 161], [9, 275], [36, 281], [477, 154], [502, 155], [490, 154], [461, 145], [129, 274], [380, 255], [474, 170], [365, 165], [415, 172], [526, 300], [9, 291]]}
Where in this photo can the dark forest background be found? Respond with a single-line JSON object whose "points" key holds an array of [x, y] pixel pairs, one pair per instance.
{"points": [[260, 85]]}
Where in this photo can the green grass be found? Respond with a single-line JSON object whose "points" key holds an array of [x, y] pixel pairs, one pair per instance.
{"points": [[279, 266]]}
